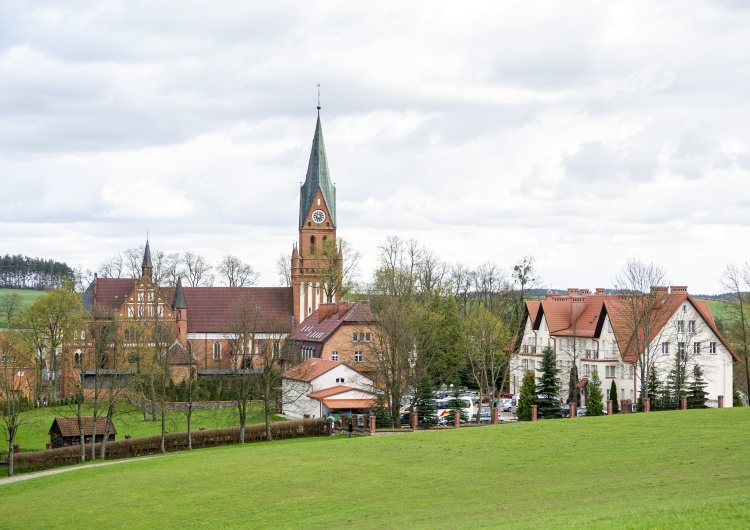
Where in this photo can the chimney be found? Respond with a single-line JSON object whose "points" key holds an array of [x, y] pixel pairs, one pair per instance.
{"points": [[659, 289], [343, 308], [572, 291], [679, 289], [600, 290], [325, 310]]}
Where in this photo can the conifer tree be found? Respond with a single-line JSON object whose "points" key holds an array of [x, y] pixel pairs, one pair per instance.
{"points": [[526, 397], [424, 404], [736, 397], [594, 403], [697, 390], [654, 391], [613, 397], [675, 387], [456, 403], [574, 393], [548, 400]]}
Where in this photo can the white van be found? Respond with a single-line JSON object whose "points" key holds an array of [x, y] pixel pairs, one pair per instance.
{"points": [[443, 410], [514, 404]]}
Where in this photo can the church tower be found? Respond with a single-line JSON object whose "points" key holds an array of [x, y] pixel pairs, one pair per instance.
{"points": [[317, 232]]}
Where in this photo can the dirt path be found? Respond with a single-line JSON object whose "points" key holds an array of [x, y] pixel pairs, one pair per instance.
{"points": [[27, 476]]}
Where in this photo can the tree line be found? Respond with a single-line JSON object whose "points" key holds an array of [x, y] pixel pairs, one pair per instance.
{"points": [[23, 272]]}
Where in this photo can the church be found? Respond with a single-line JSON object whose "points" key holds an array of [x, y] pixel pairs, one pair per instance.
{"points": [[218, 330]]}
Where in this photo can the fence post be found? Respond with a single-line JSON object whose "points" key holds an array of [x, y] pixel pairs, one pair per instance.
{"points": [[414, 420], [683, 402], [372, 424], [457, 418], [572, 409], [609, 407], [495, 416], [329, 426], [647, 405], [721, 402], [533, 412]]}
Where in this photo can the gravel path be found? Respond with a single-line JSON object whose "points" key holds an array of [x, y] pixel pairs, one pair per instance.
{"points": [[27, 476]]}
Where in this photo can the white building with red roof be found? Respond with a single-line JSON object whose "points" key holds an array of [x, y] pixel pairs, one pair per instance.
{"points": [[596, 330], [316, 388]]}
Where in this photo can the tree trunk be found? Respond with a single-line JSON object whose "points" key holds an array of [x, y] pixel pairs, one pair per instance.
{"points": [[79, 417], [153, 397], [103, 448], [243, 415]]}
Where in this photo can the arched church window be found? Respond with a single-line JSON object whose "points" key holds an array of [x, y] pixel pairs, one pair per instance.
{"points": [[312, 244], [77, 357], [217, 350]]}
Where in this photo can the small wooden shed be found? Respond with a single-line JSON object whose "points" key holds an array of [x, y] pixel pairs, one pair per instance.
{"points": [[64, 431]]}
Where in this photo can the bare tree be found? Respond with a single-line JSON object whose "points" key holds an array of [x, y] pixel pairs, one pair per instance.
{"points": [[196, 269], [461, 282], [337, 268], [640, 308], [114, 267], [171, 269], [284, 268], [236, 273], [133, 261], [737, 282], [432, 274]]}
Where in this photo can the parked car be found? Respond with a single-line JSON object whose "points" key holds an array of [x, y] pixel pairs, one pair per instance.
{"points": [[505, 404], [485, 415], [565, 410]]}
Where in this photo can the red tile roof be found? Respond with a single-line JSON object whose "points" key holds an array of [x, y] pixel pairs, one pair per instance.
{"points": [[110, 292], [582, 316], [323, 322], [341, 404], [215, 309], [69, 426], [310, 369]]}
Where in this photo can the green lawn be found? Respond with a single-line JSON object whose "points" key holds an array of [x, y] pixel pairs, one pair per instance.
{"points": [[681, 469], [34, 433], [27, 298]]}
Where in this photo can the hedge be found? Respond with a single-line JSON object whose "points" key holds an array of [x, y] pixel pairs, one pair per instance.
{"points": [[149, 445]]}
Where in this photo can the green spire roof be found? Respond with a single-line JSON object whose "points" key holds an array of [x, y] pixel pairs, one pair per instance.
{"points": [[317, 177]]}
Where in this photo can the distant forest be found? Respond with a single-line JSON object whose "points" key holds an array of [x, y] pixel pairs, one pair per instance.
{"points": [[23, 272]]}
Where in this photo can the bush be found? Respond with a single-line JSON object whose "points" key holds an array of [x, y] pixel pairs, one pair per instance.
{"points": [[149, 445]]}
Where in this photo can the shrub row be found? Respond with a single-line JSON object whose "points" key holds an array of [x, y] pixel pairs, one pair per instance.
{"points": [[149, 445]]}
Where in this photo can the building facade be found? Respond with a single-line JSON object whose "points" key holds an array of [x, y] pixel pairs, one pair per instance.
{"points": [[597, 331]]}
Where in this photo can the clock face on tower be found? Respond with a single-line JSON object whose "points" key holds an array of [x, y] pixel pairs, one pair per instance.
{"points": [[318, 216]]}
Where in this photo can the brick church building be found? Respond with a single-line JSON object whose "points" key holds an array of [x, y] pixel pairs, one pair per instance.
{"points": [[218, 330]]}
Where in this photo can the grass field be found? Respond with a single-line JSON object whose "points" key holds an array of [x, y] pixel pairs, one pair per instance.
{"points": [[34, 433], [681, 469], [27, 298]]}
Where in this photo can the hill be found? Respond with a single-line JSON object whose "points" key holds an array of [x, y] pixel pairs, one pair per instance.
{"points": [[667, 470], [27, 298]]}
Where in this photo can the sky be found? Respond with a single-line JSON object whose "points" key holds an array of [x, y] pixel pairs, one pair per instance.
{"points": [[582, 134]]}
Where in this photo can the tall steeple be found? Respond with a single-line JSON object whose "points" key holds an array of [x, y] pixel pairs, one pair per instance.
{"points": [[317, 178], [147, 268]]}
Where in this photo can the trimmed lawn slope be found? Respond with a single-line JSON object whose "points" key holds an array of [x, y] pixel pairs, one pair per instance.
{"points": [[679, 469]]}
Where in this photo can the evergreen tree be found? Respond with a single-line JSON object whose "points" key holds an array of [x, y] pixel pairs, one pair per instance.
{"points": [[456, 403], [675, 387], [613, 397], [594, 403], [654, 391], [527, 397], [697, 390], [574, 393], [383, 419], [424, 404], [736, 397], [548, 399]]}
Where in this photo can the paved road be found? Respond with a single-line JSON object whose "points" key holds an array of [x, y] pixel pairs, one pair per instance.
{"points": [[28, 476]]}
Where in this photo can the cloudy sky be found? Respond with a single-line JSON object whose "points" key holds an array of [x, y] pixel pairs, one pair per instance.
{"points": [[579, 133]]}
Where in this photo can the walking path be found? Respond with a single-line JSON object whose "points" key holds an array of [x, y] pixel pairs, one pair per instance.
{"points": [[27, 476]]}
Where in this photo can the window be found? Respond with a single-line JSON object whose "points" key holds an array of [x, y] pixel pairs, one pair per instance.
{"points": [[308, 353], [5, 356], [697, 347], [75, 335], [691, 326], [665, 348], [610, 372], [131, 311], [357, 356], [712, 347], [83, 335], [151, 296], [335, 356], [355, 337], [525, 364], [217, 350], [140, 311], [150, 311], [587, 370], [680, 326], [684, 308], [127, 335], [20, 373], [77, 357], [160, 311], [367, 337], [140, 296], [682, 349], [340, 380]]}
